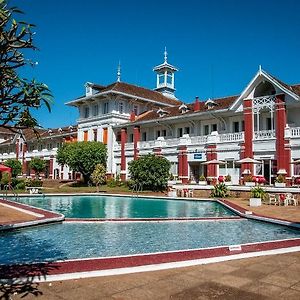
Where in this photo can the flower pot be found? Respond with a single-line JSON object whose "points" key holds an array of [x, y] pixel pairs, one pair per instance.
{"points": [[249, 183], [255, 201], [280, 184], [202, 183]]}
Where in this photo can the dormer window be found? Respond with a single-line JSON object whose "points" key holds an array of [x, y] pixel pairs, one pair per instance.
{"points": [[209, 104], [161, 112], [59, 130], [88, 89], [50, 131], [71, 128], [183, 108]]}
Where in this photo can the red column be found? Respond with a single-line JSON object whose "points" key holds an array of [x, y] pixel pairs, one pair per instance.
{"points": [[283, 150], [51, 167], [183, 171], [123, 157], [136, 139], [211, 153], [248, 134]]}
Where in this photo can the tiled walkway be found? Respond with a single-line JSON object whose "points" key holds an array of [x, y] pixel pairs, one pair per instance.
{"points": [[268, 277]]}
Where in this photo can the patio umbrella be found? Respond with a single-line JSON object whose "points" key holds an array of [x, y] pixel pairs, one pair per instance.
{"points": [[248, 160], [214, 162], [4, 168]]}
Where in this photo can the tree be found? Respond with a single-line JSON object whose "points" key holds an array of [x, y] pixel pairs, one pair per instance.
{"points": [[99, 176], [151, 171], [15, 165], [38, 165], [82, 157], [18, 95]]}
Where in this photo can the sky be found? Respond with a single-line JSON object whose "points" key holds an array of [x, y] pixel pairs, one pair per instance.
{"points": [[217, 45]]}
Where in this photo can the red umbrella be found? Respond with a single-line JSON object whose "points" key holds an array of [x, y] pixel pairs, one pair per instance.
{"points": [[5, 168]]}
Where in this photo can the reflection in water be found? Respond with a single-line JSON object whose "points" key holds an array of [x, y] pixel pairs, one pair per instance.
{"points": [[127, 207]]}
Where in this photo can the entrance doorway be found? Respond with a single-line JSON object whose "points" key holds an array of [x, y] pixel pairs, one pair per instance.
{"points": [[196, 170]]}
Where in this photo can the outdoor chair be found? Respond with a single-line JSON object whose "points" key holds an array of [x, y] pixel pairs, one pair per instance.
{"points": [[291, 200], [273, 199]]}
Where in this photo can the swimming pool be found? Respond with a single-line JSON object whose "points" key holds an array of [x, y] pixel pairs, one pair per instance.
{"points": [[114, 207]]}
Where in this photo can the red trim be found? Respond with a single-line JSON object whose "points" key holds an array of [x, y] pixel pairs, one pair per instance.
{"points": [[136, 139], [211, 153], [183, 172]]}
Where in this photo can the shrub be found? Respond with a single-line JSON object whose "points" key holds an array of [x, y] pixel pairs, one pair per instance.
{"points": [[280, 179], [99, 175], [228, 178], [258, 192], [33, 183], [38, 165], [220, 191], [202, 178], [16, 181], [15, 165], [20, 185], [5, 179], [151, 171]]}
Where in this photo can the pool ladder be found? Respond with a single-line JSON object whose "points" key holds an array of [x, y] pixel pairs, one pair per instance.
{"points": [[9, 187], [137, 188]]}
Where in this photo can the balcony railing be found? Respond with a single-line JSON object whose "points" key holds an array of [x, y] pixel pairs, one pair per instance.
{"points": [[231, 137], [295, 131], [264, 135]]}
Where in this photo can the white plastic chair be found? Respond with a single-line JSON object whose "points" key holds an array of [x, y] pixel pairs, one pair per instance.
{"points": [[291, 200]]}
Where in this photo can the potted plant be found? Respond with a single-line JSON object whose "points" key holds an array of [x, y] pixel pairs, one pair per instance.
{"points": [[202, 180], [280, 181], [228, 180], [248, 180], [256, 195], [220, 190]]}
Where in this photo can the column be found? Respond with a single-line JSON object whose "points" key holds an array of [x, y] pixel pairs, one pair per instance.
{"points": [[283, 150], [183, 164], [211, 153], [123, 157], [248, 134], [24, 162], [136, 139], [51, 161]]}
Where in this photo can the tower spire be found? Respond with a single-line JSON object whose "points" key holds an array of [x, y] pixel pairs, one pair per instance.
{"points": [[166, 55], [119, 72]]}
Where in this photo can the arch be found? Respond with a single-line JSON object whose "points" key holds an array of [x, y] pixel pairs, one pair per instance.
{"points": [[265, 88]]}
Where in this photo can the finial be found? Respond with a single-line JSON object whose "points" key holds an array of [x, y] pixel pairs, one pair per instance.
{"points": [[119, 72], [166, 54], [259, 68]]}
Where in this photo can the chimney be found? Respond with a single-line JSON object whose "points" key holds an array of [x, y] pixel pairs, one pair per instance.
{"points": [[197, 104], [132, 116]]}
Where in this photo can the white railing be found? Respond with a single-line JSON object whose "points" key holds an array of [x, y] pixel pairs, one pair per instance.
{"points": [[172, 142], [264, 134], [129, 146], [146, 144], [231, 137], [295, 131], [202, 139]]}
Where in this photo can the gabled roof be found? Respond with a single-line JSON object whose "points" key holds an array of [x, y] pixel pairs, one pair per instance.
{"points": [[133, 91], [221, 104]]}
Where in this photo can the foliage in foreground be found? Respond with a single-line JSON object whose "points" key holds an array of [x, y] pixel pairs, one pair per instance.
{"points": [[220, 191], [258, 192], [99, 176], [38, 165], [151, 171], [15, 165], [82, 157], [18, 95]]}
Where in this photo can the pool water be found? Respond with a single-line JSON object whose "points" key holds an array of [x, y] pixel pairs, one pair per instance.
{"points": [[87, 240], [111, 207]]}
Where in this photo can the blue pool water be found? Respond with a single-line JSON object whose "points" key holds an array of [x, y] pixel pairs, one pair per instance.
{"points": [[86, 240], [127, 207]]}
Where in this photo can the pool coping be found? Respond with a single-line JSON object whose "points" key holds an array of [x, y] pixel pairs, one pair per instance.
{"points": [[104, 266], [44, 216]]}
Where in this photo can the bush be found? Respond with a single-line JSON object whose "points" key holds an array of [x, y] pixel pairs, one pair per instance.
{"points": [[220, 191], [99, 175], [16, 181], [20, 185], [280, 179], [150, 171], [228, 178], [33, 183], [5, 179], [258, 192], [15, 165]]}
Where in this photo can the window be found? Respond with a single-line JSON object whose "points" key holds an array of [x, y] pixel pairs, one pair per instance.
{"points": [[169, 78], [86, 112], [131, 138], [136, 109], [121, 107], [186, 130], [269, 124], [105, 108], [161, 78], [180, 132], [95, 110], [236, 126], [206, 130], [164, 132], [144, 136], [214, 127], [157, 133]]}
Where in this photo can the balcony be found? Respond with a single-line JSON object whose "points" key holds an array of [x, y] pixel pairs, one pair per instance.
{"points": [[264, 135]]}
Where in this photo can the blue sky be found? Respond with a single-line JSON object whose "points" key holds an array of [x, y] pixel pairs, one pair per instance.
{"points": [[217, 45]]}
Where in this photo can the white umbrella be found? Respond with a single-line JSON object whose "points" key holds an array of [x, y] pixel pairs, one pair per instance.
{"points": [[214, 162], [248, 160]]}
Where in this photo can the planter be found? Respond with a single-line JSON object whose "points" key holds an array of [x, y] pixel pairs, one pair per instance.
{"points": [[202, 183], [280, 184], [228, 183], [255, 202], [249, 183]]}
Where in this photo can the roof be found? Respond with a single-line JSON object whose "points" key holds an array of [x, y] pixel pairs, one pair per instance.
{"points": [[221, 103], [135, 91]]}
